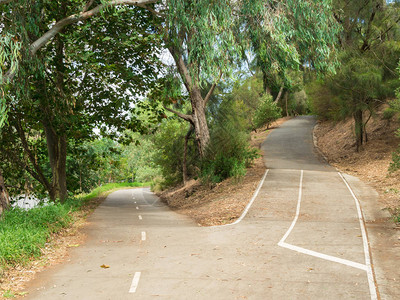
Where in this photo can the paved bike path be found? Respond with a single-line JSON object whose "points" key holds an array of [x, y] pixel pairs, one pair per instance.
{"points": [[301, 239]]}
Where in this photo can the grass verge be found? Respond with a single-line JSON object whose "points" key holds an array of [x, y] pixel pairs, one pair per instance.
{"points": [[24, 233]]}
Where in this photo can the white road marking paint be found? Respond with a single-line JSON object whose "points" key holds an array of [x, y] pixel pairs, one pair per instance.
{"points": [[366, 267], [246, 210], [137, 207], [370, 274], [324, 256], [135, 202], [140, 217], [135, 282], [143, 235], [297, 210]]}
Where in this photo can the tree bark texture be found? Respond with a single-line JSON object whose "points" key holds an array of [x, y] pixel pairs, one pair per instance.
{"points": [[359, 128], [57, 151], [4, 198], [185, 150], [202, 132]]}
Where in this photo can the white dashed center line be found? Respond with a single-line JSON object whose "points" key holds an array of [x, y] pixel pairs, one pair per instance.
{"points": [[140, 217], [143, 235], [137, 207], [135, 282]]}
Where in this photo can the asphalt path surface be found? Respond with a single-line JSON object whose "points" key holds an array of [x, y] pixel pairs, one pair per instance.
{"points": [[303, 237]]}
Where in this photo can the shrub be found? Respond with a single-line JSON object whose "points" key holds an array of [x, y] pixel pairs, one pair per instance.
{"points": [[228, 154], [323, 102], [388, 113], [266, 112]]}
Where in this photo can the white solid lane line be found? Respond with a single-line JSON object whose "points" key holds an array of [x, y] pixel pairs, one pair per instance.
{"points": [[370, 274], [246, 210], [143, 235], [366, 267], [297, 211], [135, 282], [324, 256]]}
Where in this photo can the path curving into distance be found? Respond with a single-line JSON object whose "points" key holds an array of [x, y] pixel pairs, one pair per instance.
{"points": [[303, 237]]}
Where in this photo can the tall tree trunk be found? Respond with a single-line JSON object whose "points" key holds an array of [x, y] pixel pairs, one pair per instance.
{"points": [[286, 104], [4, 198], [198, 117], [56, 138], [200, 121], [358, 128], [57, 151], [185, 150]]}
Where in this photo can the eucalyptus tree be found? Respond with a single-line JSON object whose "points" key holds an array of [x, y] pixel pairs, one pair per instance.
{"points": [[370, 49], [205, 38], [87, 77]]}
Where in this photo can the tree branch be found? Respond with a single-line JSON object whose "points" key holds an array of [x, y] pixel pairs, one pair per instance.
{"points": [[53, 31], [40, 42], [88, 5], [183, 70], [39, 173], [279, 94], [188, 118], [208, 96], [153, 11]]}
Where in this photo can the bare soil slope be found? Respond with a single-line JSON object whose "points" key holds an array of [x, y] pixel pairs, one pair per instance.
{"points": [[336, 141]]}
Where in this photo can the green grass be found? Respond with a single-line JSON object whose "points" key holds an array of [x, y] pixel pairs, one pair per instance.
{"points": [[23, 233], [110, 187]]}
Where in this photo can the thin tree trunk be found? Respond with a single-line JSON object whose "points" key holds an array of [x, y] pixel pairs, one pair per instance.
{"points": [[266, 88], [37, 171], [359, 128], [279, 94], [185, 150], [286, 104], [365, 128], [4, 198]]}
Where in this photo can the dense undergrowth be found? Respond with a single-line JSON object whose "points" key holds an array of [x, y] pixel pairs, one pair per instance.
{"points": [[24, 233]]}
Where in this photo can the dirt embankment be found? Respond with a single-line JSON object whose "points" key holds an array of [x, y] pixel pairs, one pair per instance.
{"points": [[225, 202], [336, 141]]}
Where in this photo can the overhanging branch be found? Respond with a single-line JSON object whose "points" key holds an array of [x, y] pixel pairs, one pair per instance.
{"points": [[188, 118], [208, 96], [57, 27], [40, 42]]}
